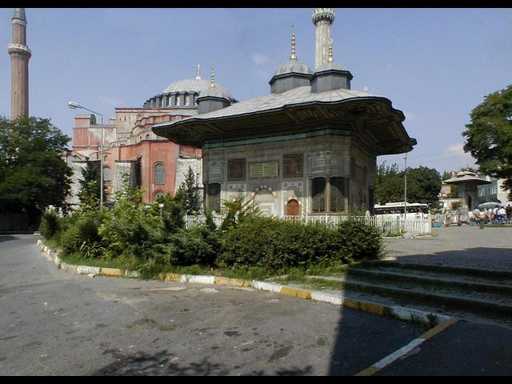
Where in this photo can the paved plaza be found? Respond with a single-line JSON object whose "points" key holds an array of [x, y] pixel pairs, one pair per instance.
{"points": [[465, 246]]}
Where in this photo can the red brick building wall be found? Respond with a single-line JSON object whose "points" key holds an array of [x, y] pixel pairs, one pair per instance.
{"points": [[151, 151]]}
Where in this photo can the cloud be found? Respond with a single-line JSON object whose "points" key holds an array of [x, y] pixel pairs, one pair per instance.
{"points": [[260, 59]]}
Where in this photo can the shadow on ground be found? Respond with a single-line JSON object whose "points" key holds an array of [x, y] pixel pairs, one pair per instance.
{"points": [[6, 238], [363, 339], [165, 364]]}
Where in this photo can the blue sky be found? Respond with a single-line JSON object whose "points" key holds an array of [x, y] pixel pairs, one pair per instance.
{"points": [[434, 64]]}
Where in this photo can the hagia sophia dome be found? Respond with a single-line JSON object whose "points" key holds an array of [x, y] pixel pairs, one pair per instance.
{"points": [[184, 93]]}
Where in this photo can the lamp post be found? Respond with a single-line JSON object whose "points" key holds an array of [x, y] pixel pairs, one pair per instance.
{"points": [[405, 189], [75, 105]]}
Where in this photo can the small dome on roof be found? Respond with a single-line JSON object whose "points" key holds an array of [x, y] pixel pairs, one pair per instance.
{"points": [[199, 86], [329, 66], [293, 67]]}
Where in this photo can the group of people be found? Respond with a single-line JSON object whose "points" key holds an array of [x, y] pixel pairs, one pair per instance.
{"points": [[497, 215]]}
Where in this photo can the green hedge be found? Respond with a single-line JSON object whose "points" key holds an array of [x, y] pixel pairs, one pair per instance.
{"points": [[156, 237], [277, 245]]}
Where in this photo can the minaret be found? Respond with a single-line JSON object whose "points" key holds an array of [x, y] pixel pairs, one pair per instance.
{"points": [[322, 18], [20, 54]]}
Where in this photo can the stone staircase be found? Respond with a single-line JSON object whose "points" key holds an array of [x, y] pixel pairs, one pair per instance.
{"points": [[461, 292]]}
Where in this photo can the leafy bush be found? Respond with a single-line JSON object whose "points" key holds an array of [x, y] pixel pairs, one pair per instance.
{"points": [[172, 212], [50, 224], [132, 229], [276, 245], [359, 241], [237, 211], [82, 235], [197, 245]]}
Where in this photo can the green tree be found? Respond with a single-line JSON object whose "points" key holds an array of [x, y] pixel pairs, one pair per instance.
{"points": [[489, 135], [33, 174], [189, 191], [389, 184], [89, 194], [423, 184]]}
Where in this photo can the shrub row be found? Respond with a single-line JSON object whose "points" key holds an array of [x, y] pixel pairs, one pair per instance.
{"points": [[156, 237]]}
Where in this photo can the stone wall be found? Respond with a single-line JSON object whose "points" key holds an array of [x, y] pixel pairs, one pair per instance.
{"points": [[323, 156]]}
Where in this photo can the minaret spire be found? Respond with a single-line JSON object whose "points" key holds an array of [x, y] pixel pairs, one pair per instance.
{"points": [[198, 72], [293, 54], [20, 55], [322, 19]]}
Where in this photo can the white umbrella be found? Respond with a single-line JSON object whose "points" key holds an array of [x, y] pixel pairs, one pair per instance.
{"points": [[489, 204]]}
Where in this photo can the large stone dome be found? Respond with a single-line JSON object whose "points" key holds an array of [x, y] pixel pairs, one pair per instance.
{"points": [[199, 86]]}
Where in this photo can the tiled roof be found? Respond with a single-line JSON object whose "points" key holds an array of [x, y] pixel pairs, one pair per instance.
{"points": [[297, 95]]}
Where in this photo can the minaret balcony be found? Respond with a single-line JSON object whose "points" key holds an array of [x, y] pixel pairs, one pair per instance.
{"points": [[19, 48], [323, 14]]}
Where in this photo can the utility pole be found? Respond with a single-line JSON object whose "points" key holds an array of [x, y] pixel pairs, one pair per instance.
{"points": [[405, 186]]}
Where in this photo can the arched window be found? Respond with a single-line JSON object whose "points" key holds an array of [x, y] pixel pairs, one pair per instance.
{"points": [[318, 194], [159, 173], [337, 203]]}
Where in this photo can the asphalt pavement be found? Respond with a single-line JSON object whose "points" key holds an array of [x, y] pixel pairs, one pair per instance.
{"points": [[58, 323]]}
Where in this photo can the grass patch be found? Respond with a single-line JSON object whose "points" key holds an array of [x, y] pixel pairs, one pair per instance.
{"points": [[313, 283]]}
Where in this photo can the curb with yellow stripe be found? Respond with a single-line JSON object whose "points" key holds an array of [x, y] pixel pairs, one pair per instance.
{"points": [[398, 312]]}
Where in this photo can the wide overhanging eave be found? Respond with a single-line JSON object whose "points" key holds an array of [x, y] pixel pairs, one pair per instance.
{"points": [[196, 130]]}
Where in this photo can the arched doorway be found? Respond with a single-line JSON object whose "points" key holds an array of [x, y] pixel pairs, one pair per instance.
{"points": [[292, 208]]}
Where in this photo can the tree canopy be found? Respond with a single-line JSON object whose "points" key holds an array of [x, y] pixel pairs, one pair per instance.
{"points": [[423, 184], [33, 174], [489, 135]]}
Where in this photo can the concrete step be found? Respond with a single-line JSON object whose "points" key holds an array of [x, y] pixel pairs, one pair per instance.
{"points": [[443, 309], [479, 285], [492, 274], [457, 299]]}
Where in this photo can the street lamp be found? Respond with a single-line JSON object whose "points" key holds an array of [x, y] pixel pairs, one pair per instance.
{"points": [[405, 189], [75, 105]]}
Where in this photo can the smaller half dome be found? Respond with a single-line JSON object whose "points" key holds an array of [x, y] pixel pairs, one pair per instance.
{"points": [[293, 67]]}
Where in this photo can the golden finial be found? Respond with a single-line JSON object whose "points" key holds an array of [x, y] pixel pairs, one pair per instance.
{"points": [[198, 72], [293, 55], [329, 58], [212, 77]]}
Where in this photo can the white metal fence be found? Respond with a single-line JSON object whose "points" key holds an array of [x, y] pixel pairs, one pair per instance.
{"points": [[388, 226]]}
